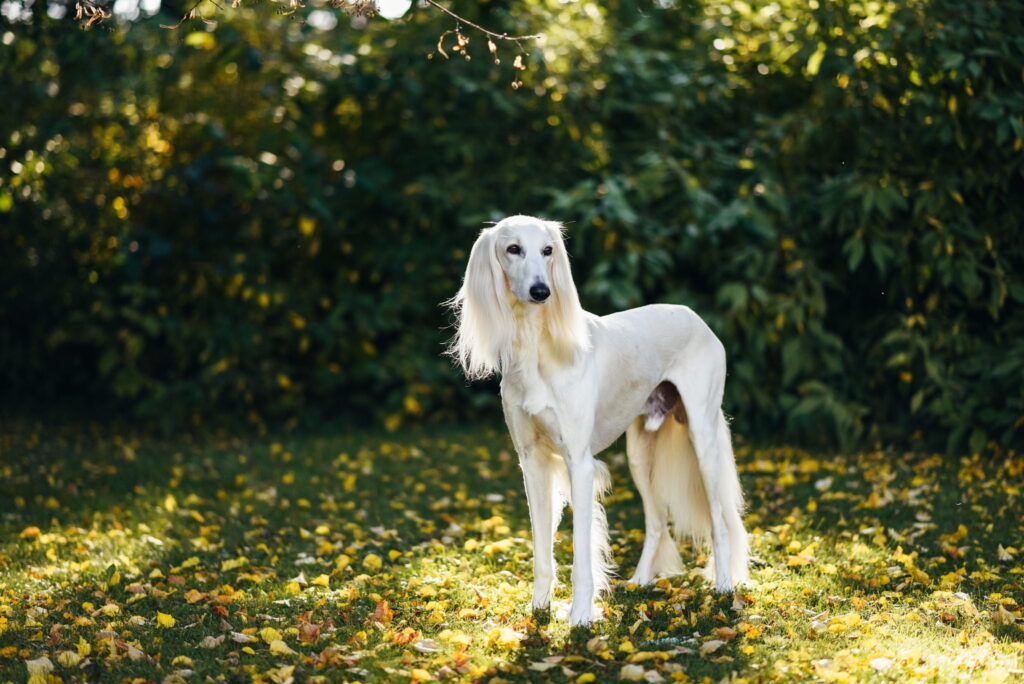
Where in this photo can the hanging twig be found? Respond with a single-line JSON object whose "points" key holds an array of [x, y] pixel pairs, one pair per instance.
{"points": [[492, 34], [190, 14]]}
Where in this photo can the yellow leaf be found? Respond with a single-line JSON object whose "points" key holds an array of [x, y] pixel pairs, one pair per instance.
{"points": [[373, 562], [814, 62], [586, 678], [38, 669], [270, 635], [201, 40], [278, 647], [458, 638], [1001, 616], [412, 405], [83, 647], [504, 637], [165, 620], [234, 564], [322, 581], [68, 658]]}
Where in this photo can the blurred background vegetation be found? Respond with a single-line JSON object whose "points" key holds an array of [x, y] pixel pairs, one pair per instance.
{"points": [[255, 218]]}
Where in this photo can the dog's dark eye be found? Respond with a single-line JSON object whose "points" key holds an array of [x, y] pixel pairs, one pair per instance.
{"points": [[546, 251], [513, 249]]}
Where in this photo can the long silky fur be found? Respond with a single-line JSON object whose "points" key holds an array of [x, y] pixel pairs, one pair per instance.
{"points": [[679, 489], [486, 329]]}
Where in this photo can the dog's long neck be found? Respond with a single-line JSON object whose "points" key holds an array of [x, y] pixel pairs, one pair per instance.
{"points": [[533, 351], [532, 342]]}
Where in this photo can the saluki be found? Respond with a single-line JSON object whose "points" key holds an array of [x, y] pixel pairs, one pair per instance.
{"points": [[572, 383]]}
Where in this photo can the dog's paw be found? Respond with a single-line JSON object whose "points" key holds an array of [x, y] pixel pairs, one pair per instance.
{"points": [[538, 605], [584, 615], [641, 579]]}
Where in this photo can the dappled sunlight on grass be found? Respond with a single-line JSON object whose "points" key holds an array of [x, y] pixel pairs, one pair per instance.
{"points": [[408, 557]]}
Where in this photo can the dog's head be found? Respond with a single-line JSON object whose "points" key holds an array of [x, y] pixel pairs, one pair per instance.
{"points": [[531, 256], [519, 261]]}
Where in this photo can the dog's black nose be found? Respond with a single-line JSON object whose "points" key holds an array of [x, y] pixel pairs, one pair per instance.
{"points": [[540, 292]]}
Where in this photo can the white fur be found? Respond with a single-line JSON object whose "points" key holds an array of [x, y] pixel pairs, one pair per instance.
{"points": [[572, 383]]}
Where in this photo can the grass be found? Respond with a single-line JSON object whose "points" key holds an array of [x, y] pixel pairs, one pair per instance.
{"points": [[407, 557]]}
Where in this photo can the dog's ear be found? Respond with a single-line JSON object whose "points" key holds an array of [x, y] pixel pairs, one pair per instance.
{"points": [[567, 322], [483, 335]]}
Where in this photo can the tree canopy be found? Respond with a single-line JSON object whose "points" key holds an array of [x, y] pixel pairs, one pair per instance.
{"points": [[231, 220]]}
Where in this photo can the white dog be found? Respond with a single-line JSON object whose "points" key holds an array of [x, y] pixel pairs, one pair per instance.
{"points": [[572, 383]]}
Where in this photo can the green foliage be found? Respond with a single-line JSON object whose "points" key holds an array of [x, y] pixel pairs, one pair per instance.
{"points": [[260, 220]]}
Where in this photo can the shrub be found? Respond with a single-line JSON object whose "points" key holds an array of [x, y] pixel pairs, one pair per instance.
{"points": [[260, 220]]}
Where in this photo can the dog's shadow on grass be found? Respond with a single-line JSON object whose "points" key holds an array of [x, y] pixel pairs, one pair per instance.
{"points": [[632, 632]]}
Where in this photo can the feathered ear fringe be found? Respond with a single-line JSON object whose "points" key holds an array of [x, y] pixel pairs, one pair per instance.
{"points": [[484, 325], [566, 320]]}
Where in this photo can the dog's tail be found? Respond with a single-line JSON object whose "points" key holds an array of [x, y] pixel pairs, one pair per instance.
{"points": [[679, 486]]}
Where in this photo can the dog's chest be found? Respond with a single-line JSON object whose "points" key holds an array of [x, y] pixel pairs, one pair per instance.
{"points": [[538, 400]]}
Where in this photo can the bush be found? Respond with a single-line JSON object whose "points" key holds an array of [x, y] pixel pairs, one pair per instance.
{"points": [[259, 220]]}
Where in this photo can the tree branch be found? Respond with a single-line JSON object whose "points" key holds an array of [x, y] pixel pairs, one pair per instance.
{"points": [[190, 14], [491, 34]]}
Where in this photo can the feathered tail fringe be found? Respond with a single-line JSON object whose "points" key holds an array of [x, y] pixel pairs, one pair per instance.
{"points": [[678, 486]]}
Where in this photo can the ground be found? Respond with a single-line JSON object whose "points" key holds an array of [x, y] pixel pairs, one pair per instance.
{"points": [[408, 557]]}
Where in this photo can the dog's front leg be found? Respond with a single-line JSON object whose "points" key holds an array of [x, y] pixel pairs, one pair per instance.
{"points": [[540, 476], [581, 482], [545, 495]]}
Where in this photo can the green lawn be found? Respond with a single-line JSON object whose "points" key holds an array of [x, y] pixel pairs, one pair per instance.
{"points": [[385, 558]]}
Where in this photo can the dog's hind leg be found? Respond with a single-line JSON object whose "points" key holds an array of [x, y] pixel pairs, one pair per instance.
{"points": [[732, 497], [701, 382], [659, 555]]}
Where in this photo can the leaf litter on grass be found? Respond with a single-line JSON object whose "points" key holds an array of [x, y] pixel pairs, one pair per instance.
{"points": [[368, 558]]}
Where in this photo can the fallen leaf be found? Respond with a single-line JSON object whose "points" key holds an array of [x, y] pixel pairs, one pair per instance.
{"points": [[383, 614], [309, 632], [632, 673], [711, 646], [212, 641], [278, 647]]}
